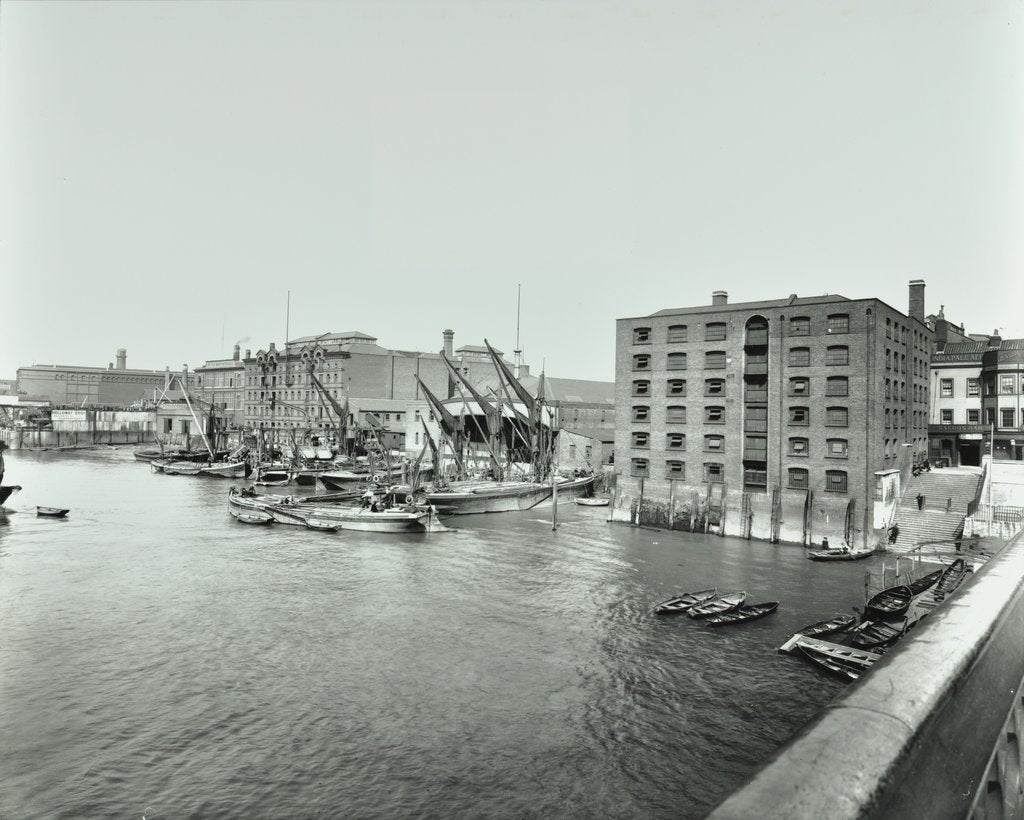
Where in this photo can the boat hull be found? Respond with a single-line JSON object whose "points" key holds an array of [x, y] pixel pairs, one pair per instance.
{"points": [[489, 498], [8, 492], [345, 518]]}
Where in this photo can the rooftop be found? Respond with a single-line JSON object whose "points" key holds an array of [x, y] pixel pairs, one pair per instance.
{"points": [[761, 305]]}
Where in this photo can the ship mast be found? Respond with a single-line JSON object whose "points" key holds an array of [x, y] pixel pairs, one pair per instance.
{"points": [[518, 360]]}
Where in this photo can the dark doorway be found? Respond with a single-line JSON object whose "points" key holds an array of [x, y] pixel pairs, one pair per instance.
{"points": [[970, 453]]}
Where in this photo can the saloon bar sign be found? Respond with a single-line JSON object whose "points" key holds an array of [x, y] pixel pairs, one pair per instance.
{"points": [[949, 429]]}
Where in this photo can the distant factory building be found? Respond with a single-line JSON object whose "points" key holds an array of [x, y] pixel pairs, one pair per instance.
{"points": [[78, 387]]}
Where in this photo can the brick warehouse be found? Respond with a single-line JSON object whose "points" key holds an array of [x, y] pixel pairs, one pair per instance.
{"points": [[776, 420]]}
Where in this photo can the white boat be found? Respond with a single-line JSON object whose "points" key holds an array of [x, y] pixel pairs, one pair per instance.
{"points": [[224, 469], [472, 497], [178, 467], [592, 502], [285, 510]]}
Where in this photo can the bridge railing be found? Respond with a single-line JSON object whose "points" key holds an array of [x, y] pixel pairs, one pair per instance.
{"points": [[933, 730]]}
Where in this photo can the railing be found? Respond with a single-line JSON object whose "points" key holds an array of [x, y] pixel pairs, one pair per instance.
{"points": [[1000, 515], [931, 731], [972, 506]]}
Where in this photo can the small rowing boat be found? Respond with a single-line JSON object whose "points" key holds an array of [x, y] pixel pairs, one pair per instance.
{"points": [[889, 603], [716, 606], [681, 603], [321, 525], [52, 512], [591, 502], [843, 661], [836, 623], [877, 633], [925, 582], [255, 518], [839, 554], [951, 578], [743, 614]]}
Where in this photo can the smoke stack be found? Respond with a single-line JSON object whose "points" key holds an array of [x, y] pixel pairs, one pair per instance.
{"points": [[235, 355], [122, 359], [719, 297], [248, 353], [916, 303], [449, 336]]}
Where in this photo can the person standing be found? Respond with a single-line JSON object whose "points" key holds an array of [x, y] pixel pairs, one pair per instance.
{"points": [[920, 501], [3, 446]]}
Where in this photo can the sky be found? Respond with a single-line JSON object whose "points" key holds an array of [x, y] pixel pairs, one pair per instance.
{"points": [[171, 172]]}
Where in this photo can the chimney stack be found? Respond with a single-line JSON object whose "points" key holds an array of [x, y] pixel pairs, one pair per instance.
{"points": [[449, 336], [719, 297], [122, 359], [916, 306], [248, 353], [235, 355]]}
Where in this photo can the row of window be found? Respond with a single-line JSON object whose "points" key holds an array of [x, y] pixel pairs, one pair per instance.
{"points": [[798, 386], [1007, 416], [717, 331], [798, 478], [835, 447], [835, 355], [1007, 386], [715, 414]]}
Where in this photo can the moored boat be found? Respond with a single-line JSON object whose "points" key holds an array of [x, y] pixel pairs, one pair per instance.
{"points": [[8, 492], [681, 603], [224, 469], [841, 554], [592, 502], [877, 633], [889, 603], [717, 606], [391, 517], [255, 517], [842, 661], [470, 497], [321, 525], [742, 614], [838, 622], [52, 512], [925, 582], [952, 577]]}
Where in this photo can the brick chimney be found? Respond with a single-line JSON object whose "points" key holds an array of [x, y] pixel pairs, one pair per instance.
{"points": [[122, 359], [449, 337], [236, 354], [915, 308], [719, 297]]}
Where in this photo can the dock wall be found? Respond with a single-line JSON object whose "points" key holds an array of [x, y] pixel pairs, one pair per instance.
{"points": [[932, 731]]}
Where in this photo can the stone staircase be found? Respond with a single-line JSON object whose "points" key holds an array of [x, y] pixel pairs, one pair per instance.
{"points": [[955, 487]]}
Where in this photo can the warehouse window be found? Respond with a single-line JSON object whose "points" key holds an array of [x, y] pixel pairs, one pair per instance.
{"points": [[676, 334], [799, 357], [835, 481]]}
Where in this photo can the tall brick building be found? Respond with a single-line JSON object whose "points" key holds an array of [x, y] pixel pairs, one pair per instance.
{"points": [[776, 420]]}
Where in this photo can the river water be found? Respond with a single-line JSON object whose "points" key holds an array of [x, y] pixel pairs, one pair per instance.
{"points": [[158, 658]]}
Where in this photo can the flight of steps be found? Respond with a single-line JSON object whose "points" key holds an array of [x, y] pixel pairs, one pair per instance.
{"points": [[934, 523]]}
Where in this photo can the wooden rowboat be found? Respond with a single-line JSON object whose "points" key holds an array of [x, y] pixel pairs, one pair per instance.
{"points": [[716, 606], [321, 525], [842, 661], [255, 517], [889, 603], [592, 502], [52, 512], [743, 614], [681, 603], [836, 623], [925, 582], [877, 633], [839, 555], [951, 578]]}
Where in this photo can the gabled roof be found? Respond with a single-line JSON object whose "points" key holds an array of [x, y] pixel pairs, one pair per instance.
{"points": [[789, 301]]}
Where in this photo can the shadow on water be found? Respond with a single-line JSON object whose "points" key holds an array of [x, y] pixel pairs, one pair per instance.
{"points": [[157, 653]]}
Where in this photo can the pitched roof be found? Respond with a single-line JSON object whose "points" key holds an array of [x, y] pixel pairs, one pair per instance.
{"points": [[334, 337], [562, 390]]}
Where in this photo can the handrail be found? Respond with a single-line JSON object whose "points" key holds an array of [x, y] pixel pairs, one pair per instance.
{"points": [[924, 733], [972, 506]]}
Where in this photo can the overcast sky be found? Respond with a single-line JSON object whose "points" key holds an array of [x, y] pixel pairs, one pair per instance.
{"points": [[168, 172]]}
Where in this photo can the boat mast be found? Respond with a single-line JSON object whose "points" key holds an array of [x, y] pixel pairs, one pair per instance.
{"points": [[518, 361]]}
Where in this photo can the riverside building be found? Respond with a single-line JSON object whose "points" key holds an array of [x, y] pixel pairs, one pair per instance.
{"points": [[787, 419]]}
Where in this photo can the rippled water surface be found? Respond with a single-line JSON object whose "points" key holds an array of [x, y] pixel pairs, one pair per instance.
{"points": [[159, 658]]}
